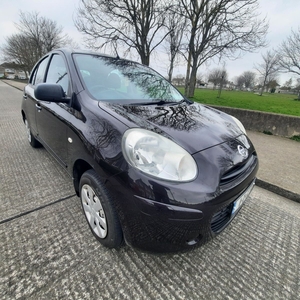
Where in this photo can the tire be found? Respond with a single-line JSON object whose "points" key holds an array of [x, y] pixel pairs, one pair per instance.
{"points": [[99, 210], [32, 140]]}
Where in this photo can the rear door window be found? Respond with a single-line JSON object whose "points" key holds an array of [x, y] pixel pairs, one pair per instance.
{"points": [[39, 72]]}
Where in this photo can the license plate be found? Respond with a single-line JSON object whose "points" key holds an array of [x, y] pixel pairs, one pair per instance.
{"points": [[237, 204]]}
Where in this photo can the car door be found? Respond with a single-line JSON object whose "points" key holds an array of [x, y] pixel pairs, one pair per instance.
{"points": [[52, 118], [30, 102]]}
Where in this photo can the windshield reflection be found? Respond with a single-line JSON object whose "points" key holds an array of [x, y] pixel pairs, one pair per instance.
{"points": [[185, 117], [122, 81]]}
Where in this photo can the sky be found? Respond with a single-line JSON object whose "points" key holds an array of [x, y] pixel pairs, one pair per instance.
{"points": [[283, 15]]}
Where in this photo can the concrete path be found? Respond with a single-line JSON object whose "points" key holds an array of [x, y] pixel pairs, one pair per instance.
{"points": [[279, 160]]}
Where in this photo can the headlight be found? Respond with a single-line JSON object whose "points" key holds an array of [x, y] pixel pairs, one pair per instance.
{"points": [[239, 124], [157, 156]]}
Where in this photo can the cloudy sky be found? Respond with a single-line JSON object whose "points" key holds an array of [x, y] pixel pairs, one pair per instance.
{"points": [[283, 15]]}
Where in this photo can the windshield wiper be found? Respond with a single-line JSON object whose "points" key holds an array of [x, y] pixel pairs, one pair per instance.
{"points": [[61, 77], [158, 102]]}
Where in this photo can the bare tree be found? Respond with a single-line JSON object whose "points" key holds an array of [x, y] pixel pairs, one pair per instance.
{"points": [[249, 79], [20, 50], [44, 33], [220, 27], [289, 54], [239, 82], [287, 85], [297, 87], [217, 76], [246, 80], [134, 24], [269, 68], [37, 36], [175, 25]]}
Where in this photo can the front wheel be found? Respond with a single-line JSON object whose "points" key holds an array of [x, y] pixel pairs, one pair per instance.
{"points": [[99, 210]]}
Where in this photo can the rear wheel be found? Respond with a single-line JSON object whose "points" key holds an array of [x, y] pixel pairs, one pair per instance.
{"points": [[32, 140], [99, 210]]}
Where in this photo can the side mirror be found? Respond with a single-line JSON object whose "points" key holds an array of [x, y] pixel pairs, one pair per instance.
{"points": [[50, 92]]}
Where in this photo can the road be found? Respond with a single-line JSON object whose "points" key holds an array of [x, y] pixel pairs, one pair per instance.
{"points": [[48, 252]]}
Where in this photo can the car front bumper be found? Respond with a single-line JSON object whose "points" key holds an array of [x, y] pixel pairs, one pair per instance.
{"points": [[159, 227], [169, 217]]}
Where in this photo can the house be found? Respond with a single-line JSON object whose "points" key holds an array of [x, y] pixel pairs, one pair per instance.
{"points": [[2, 70], [11, 73]]}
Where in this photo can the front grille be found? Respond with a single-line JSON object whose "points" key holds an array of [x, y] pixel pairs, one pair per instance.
{"points": [[237, 170], [221, 218]]}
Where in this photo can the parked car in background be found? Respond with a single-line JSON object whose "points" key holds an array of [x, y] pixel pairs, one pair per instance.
{"points": [[151, 168]]}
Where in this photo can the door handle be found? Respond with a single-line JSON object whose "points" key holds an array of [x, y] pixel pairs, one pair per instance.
{"points": [[39, 108]]}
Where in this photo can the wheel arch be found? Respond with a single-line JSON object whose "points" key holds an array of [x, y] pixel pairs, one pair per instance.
{"points": [[80, 167]]}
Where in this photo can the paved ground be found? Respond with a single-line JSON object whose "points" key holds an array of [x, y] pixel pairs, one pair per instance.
{"points": [[47, 251], [279, 160]]}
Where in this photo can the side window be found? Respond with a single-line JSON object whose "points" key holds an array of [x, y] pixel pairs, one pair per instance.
{"points": [[33, 76], [39, 72], [58, 73]]}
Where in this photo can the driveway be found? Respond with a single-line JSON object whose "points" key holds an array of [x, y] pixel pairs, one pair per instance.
{"points": [[47, 251]]}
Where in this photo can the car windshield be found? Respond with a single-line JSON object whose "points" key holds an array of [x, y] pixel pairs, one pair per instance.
{"points": [[121, 81]]}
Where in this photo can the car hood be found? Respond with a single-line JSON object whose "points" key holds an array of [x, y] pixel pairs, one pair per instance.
{"points": [[195, 127]]}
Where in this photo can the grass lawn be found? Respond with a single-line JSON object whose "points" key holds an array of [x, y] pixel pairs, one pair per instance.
{"points": [[276, 103]]}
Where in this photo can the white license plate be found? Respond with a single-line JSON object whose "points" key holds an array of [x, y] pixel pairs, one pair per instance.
{"points": [[237, 204]]}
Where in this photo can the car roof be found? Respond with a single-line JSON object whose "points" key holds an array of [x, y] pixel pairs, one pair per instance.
{"points": [[70, 51]]}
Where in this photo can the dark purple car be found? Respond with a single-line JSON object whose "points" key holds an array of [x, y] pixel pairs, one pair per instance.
{"points": [[151, 168]]}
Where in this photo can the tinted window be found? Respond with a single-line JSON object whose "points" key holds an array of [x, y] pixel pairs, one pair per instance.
{"points": [[38, 75], [123, 81], [57, 72]]}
